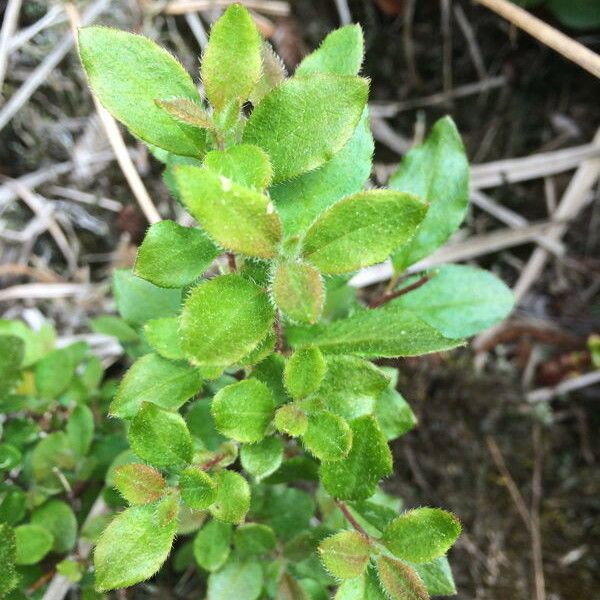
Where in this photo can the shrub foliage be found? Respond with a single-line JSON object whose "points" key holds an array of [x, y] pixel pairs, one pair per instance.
{"points": [[257, 427]]}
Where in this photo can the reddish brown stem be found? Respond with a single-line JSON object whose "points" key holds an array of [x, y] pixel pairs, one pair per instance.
{"points": [[42, 581], [231, 262], [278, 334], [213, 462], [350, 518], [381, 300]]}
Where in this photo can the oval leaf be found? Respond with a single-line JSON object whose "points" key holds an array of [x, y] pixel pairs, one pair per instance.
{"points": [[298, 292], [243, 411], [198, 489], [460, 301], [422, 535], [385, 332], [233, 497], [304, 372], [262, 459], [291, 419], [341, 53], [58, 519], [231, 64], [399, 580], [242, 580], [160, 437], [224, 319], [437, 171], [33, 542], [345, 554], [245, 164], [304, 122], [157, 380], [328, 436], [370, 460], [127, 73], [362, 230], [132, 548], [212, 545], [138, 483], [238, 218], [172, 256]]}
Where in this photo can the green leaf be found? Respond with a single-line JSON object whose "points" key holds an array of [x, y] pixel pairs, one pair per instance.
{"points": [[127, 73], [238, 218], [399, 580], [231, 64], [157, 380], [212, 545], [37, 343], [242, 580], [53, 451], [328, 436], [341, 53], [298, 291], [422, 535], [273, 73], [370, 460], [132, 548], [172, 256], [437, 577], [304, 122], [59, 520], [10, 457], [254, 539], [301, 200], [71, 569], [578, 14], [198, 489], [362, 588], [114, 326], [139, 300], [437, 171], [54, 373], [80, 429], [291, 419], [164, 337], [160, 437], [233, 497], [202, 426], [12, 505], [243, 410], [247, 165], [138, 483], [224, 319], [394, 415], [33, 542], [186, 111], [12, 353], [9, 577], [383, 332], [270, 371], [93, 374], [287, 510], [460, 301], [304, 372], [345, 554], [262, 459], [373, 513], [350, 388], [362, 230]]}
